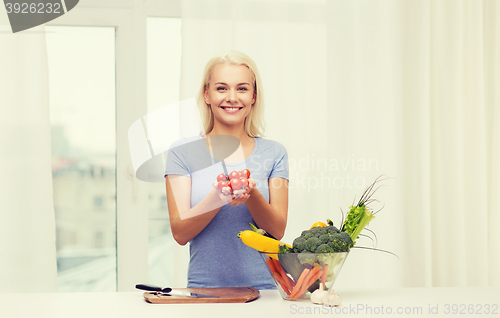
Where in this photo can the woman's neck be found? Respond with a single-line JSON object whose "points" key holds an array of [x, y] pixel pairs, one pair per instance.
{"points": [[247, 143], [238, 132]]}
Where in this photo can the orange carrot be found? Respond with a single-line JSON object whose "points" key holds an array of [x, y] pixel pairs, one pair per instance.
{"points": [[314, 278], [278, 267], [277, 275], [305, 285], [325, 273], [312, 272], [270, 264], [281, 282], [299, 282], [289, 283], [313, 275], [301, 289]]}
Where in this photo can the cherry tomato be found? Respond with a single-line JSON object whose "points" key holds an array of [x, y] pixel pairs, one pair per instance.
{"points": [[244, 182], [221, 177], [222, 184], [246, 173], [234, 175], [235, 184]]}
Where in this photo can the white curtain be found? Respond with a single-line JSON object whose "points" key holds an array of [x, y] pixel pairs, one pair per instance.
{"points": [[357, 89], [27, 221], [451, 114]]}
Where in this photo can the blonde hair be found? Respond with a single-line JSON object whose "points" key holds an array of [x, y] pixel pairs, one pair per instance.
{"points": [[254, 123]]}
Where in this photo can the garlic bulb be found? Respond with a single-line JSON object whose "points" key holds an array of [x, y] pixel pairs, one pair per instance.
{"points": [[319, 295], [333, 299]]}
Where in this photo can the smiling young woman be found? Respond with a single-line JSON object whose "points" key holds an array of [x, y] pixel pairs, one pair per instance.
{"points": [[230, 103]]}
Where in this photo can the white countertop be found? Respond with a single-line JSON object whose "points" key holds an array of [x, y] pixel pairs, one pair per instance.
{"points": [[417, 302]]}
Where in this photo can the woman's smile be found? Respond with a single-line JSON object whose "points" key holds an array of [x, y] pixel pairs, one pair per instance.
{"points": [[231, 109]]}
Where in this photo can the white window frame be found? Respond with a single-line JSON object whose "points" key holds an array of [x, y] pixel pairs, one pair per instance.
{"points": [[128, 17]]}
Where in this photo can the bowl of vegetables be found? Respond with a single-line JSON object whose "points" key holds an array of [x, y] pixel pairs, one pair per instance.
{"points": [[312, 263], [308, 268], [298, 275]]}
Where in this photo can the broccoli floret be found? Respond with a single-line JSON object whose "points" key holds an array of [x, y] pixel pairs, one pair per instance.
{"points": [[332, 260], [324, 248], [283, 248], [307, 235], [324, 238], [331, 230], [317, 231], [314, 232], [347, 238], [340, 242], [299, 244], [308, 258], [312, 244]]}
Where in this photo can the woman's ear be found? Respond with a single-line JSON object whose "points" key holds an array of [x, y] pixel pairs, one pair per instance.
{"points": [[205, 96]]}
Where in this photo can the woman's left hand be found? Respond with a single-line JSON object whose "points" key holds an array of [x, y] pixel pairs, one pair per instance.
{"points": [[242, 195]]}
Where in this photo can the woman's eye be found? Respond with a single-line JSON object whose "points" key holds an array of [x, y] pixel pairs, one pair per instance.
{"points": [[222, 88]]}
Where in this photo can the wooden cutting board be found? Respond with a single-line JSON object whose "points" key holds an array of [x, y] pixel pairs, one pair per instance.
{"points": [[226, 295]]}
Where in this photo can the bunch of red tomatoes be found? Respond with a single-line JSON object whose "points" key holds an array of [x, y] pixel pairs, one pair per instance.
{"points": [[236, 180]]}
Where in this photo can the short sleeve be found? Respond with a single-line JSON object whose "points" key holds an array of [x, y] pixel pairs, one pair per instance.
{"points": [[176, 160], [280, 168]]}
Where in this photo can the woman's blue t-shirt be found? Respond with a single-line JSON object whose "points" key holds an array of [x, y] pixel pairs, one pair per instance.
{"points": [[217, 257]]}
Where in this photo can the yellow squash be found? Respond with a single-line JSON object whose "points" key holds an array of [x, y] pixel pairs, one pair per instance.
{"points": [[260, 242]]}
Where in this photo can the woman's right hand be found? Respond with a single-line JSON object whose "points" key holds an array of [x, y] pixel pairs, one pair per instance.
{"points": [[185, 221], [228, 195], [225, 194]]}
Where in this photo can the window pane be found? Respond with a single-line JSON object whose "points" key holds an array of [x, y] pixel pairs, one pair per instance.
{"points": [[82, 115], [164, 60]]}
